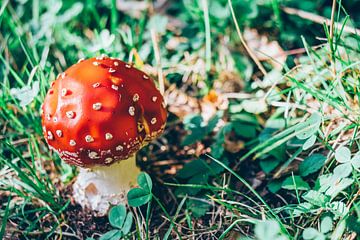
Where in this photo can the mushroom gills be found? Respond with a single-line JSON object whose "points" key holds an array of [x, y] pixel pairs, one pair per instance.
{"points": [[102, 186]]}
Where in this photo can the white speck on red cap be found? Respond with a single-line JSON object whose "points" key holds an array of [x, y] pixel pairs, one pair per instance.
{"points": [[93, 155], [70, 114], [136, 97], [63, 92], [59, 133], [131, 111], [96, 106], [95, 85], [89, 138], [50, 135], [108, 160], [108, 136]]}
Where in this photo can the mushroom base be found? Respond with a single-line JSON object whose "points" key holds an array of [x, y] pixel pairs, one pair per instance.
{"points": [[102, 186]]}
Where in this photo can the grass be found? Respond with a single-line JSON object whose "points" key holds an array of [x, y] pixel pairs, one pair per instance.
{"points": [[251, 150]]}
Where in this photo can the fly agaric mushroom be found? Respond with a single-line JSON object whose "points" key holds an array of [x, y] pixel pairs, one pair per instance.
{"points": [[97, 115]]}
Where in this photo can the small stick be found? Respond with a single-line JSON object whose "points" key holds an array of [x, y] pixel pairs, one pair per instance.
{"points": [[318, 19], [353, 199], [251, 53], [332, 19], [158, 61], [131, 55]]}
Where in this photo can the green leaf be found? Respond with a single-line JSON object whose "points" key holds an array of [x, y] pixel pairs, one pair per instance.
{"points": [[316, 198], [343, 155], [312, 234], [275, 123], [244, 129], [194, 124], [326, 224], [198, 128], [273, 77], [248, 9], [199, 167], [158, 23], [117, 216], [339, 230], [112, 235], [254, 106], [198, 172], [355, 161], [213, 121], [275, 149], [127, 224], [26, 94], [267, 165], [267, 229], [197, 207], [301, 208], [193, 168], [245, 69], [200, 179], [309, 142], [144, 181], [312, 125], [295, 182], [67, 172], [274, 186], [339, 209], [217, 148], [138, 197], [343, 170], [353, 224], [331, 185], [311, 164], [310, 131], [217, 10]]}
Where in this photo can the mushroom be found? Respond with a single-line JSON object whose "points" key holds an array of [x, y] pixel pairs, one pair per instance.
{"points": [[97, 115]]}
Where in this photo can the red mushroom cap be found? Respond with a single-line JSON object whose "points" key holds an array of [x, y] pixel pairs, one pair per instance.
{"points": [[101, 110]]}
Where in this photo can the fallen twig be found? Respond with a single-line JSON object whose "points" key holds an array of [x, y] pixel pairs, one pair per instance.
{"points": [[318, 19], [251, 53]]}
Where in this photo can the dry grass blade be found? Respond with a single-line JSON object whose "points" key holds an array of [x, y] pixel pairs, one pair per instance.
{"points": [[319, 19], [250, 52], [154, 39]]}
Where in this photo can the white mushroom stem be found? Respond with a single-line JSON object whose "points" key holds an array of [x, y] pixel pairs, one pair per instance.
{"points": [[102, 186]]}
